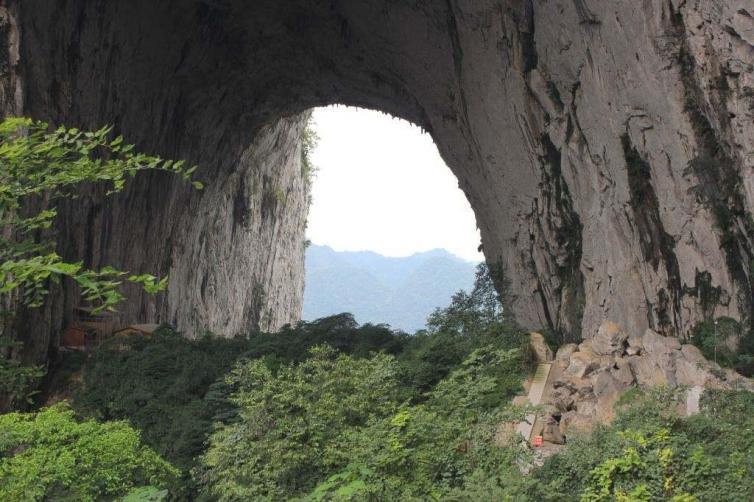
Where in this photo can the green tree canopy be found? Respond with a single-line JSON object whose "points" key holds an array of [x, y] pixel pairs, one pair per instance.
{"points": [[293, 422], [52, 454]]}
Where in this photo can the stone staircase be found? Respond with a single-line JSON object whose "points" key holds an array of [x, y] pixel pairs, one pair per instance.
{"points": [[536, 391]]}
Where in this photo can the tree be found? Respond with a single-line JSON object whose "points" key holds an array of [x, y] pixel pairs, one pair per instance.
{"points": [[38, 167], [472, 320], [475, 312], [292, 423], [428, 450], [52, 456]]}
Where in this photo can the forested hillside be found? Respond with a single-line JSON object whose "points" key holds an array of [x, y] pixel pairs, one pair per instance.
{"points": [[400, 292]]}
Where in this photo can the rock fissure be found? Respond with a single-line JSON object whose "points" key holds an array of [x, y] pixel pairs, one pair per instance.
{"points": [[719, 181], [657, 245]]}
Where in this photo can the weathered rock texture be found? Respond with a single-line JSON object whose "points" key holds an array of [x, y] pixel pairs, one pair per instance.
{"points": [[605, 147]]}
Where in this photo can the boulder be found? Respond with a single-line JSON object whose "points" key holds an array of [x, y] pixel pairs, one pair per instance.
{"points": [[563, 356], [587, 407], [605, 385], [542, 353], [691, 373], [607, 390], [589, 378], [563, 399], [551, 431], [692, 354], [609, 340], [655, 343], [653, 369], [581, 364], [584, 390], [573, 422], [635, 345], [558, 383], [622, 372], [565, 420], [585, 346]]}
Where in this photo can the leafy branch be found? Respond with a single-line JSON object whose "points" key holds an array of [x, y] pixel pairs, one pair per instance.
{"points": [[39, 165]]}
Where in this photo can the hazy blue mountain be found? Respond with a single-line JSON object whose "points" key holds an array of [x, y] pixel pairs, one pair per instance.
{"points": [[401, 292]]}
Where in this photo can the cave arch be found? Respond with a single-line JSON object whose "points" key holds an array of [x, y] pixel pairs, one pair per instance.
{"points": [[539, 108]]}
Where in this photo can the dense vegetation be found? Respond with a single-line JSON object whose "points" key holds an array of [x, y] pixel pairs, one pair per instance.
{"points": [[173, 389], [330, 410]]}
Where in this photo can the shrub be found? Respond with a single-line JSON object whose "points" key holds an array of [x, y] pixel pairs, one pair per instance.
{"points": [[443, 446], [161, 386], [334, 427]]}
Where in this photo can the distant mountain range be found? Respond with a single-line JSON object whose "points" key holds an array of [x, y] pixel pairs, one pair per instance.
{"points": [[400, 292]]}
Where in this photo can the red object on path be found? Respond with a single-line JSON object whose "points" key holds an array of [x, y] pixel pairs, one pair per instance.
{"points": [[73, 338], [538, 441]]}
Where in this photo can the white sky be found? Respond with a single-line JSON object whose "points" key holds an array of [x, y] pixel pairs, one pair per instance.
{"points": [[382, 186]]}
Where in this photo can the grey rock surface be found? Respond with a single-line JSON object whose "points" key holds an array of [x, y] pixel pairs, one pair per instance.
{"points": [[581, 364], [609, 339], [563, 355], [606, 147]]}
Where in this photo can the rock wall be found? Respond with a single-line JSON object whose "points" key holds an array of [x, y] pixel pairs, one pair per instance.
{"points": [[605, 147]]}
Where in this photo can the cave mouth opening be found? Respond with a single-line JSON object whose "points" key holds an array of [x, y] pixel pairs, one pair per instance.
{"points": [[390, 234]]}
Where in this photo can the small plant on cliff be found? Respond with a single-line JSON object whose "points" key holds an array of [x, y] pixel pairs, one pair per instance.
{"points": [[38, 168], [309, 141]]}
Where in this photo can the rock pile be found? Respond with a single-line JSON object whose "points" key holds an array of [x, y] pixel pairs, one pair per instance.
{"points": [[587, 379]]}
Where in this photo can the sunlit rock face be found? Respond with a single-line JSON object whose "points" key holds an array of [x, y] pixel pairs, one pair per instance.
{"points": [[605, 147]]}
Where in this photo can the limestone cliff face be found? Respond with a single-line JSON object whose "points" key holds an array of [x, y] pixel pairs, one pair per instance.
{"points": [[605, 147], [234, 251]]}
